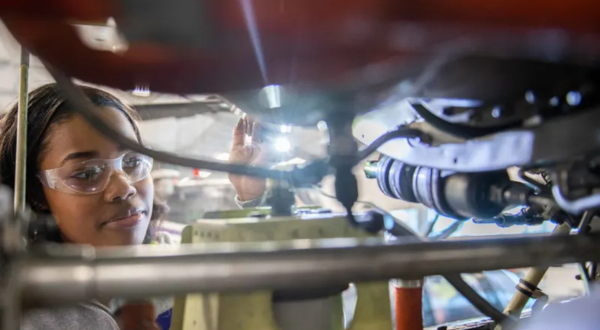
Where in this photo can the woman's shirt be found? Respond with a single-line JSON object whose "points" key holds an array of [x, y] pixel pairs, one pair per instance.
{"points": [[89, 316]]}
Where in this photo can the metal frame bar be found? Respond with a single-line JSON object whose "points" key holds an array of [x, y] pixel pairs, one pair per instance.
{"points": [[65, 275], [11, 308], [21, 157], [534, 276]]}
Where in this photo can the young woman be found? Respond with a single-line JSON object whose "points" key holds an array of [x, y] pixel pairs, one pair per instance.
{"points": [[98, 193]]}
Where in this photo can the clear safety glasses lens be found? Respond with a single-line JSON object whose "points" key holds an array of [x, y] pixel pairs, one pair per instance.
{"points": [[93, 176]]}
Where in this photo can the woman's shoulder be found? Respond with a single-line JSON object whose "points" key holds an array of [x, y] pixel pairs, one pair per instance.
{"points": [[88, 316]]}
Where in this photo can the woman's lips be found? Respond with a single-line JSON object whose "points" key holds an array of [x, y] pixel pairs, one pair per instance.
{"points": [[126, 222]]}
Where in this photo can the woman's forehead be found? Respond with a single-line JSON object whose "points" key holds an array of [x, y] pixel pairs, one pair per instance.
{"points": [[75, 135]]}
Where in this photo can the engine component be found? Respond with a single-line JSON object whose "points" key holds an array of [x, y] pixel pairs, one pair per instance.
{"points": [[576, 186], [529, 216], [547, 141], [525, 217], [455, 195]]}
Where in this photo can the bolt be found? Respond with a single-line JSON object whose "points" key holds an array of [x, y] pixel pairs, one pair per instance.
{"points": [[371, 169]]}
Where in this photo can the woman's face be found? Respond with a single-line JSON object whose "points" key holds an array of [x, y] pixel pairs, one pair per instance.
{"points": [[120, 214]]}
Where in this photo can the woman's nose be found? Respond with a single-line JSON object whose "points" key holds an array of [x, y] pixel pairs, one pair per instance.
{"points": [[118, 188]]}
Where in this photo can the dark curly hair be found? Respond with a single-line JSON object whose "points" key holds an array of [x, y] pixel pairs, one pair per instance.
{"points": [[47, 108]]}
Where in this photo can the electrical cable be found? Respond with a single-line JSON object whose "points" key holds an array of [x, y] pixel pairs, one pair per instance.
{"points": [[458, 130], [401, 132], [455, 280], [478, 302], [585, 278], [448, 231], [82, 106]]}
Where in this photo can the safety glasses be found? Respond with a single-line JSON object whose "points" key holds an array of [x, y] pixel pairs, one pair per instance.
{"points": [[93, 176]]}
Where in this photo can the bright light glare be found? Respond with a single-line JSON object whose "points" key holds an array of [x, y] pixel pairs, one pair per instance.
{"points": [[202, 174], [283, 145], [141, 91], [322, 125], [224, 156], [285, 129], [297, 161]]}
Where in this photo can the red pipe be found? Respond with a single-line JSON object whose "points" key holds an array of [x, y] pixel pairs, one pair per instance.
{"points": [[408, 297]]}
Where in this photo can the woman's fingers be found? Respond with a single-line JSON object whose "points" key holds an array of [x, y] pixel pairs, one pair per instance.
{"points": [[239, 135]]}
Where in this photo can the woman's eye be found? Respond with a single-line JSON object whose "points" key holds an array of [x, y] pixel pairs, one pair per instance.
{"points": [[132, 162], [87, 174]]}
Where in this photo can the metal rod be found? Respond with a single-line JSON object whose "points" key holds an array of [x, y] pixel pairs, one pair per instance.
{"points": [[582, 230], [11, 308], [533, 276], [585, 278], [63, 276], [21, 157]]}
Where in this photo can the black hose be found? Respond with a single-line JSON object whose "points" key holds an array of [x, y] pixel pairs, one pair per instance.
{"points": [[80, 104], [401, 132], [479, 302], [458, 130], [448, 231]]}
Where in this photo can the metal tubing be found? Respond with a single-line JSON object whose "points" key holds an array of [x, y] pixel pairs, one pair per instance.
{"points": [[21, 157], [11, 312], [533, 276], [582, 230], [63, 276]]}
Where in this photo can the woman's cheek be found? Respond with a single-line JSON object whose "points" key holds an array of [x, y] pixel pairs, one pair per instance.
{"points": [[145, 191], [75, 217]]}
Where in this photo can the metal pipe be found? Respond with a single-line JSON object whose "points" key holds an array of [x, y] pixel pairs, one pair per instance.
{"points": [[582, 230], [21, 157], [63, 276], [11, 311], [533, 276]]}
